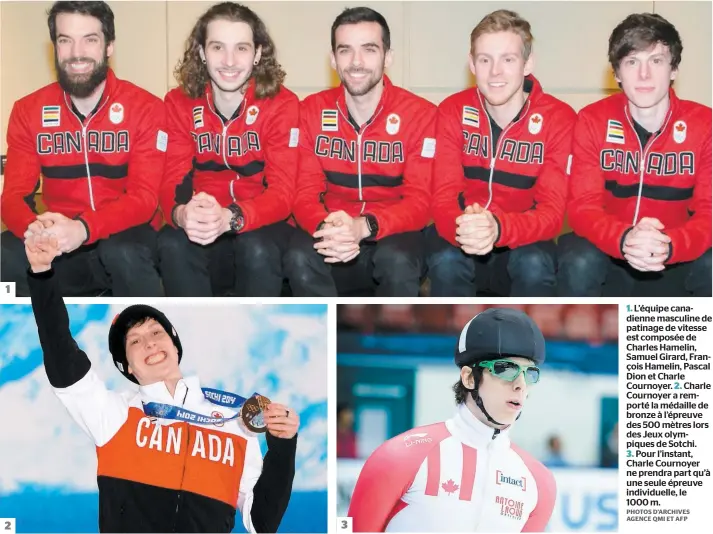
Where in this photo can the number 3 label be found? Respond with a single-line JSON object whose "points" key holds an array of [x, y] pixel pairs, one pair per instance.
{"points": [[344, 524]]}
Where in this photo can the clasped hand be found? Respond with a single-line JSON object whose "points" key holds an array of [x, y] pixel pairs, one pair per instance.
{"points": [[646, 247], [476, 230], [339, 237]]}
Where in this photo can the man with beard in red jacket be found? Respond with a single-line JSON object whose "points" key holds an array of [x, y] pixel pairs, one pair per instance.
{"points": [[640, 193], [500, 174], [366, 152], [100, 143], [231, 163]]}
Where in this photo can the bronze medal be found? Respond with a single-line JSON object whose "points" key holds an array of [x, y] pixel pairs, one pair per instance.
{"points": [[252, 413]]}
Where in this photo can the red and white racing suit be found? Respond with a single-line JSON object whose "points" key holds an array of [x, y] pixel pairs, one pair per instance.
{"points": [[456, 476]]}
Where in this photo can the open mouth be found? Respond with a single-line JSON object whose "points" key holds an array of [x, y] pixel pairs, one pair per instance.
{"points": [[229, 76], [515, 405], [156, 358], [357, 75], [80, 67]]}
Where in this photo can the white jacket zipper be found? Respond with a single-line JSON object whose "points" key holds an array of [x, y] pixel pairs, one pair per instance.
{"points": [[225, 142], [643, 151], [496, 149], [85, 148], [359, 137], [482, 488]]}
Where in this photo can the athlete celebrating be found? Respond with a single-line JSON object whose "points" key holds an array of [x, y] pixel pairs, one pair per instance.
{"points": [[640, 193], [231, 162], [366, 150], [464, 474], [500, 174], [99, 144], [158, 472]]}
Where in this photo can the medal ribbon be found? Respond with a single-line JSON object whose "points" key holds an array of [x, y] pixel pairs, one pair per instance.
{"points": [[215, 396]]}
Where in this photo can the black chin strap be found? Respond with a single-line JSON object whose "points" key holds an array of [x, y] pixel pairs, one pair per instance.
{"points": [[479, 402]]}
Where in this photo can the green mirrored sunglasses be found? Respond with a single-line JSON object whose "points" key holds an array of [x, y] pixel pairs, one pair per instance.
{"points": [[508, 370]]}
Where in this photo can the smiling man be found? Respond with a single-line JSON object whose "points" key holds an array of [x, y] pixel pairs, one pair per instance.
{"points": [[99, 144], [366, 149], [464, 474], [640, 193], [167, 462], [500, 174], [231, 162]]}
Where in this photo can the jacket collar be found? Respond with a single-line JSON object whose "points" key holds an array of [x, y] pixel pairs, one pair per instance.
{"points": [[109, 90], [473, 432], [248, 97], [188, 392], [385, 95], [674, 104]]}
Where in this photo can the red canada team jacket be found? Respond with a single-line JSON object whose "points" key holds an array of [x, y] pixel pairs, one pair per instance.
{"points": [[673, 185], [106, 171], [250, 161], [384, 171], [522, 180]]}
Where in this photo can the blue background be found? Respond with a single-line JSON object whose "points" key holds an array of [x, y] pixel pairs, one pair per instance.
{"points": [[48, 465]]}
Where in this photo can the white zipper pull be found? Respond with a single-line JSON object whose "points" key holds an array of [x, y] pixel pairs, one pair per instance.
{"points": [[359, 164]]}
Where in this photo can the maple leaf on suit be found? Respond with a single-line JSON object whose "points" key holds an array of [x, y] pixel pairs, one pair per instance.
{"points": [[450, 486]]}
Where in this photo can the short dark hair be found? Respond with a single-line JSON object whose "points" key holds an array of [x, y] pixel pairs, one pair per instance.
{"points": [[639, 32], [355, 15], [98, 10], [462, 392], [137, 322]]}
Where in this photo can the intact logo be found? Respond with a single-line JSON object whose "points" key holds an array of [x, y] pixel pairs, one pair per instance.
{"points": [[501, 478], [510, 508], [450, 487], [417, 439]]}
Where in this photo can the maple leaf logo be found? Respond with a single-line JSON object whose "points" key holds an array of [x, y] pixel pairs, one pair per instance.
{"points": [[116, 108], [393, 120], [535, 119], [680, 127], [253, 112], [450, 486]]}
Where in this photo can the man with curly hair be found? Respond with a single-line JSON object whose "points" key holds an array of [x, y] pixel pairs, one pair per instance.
{"points": [[231, 161]]}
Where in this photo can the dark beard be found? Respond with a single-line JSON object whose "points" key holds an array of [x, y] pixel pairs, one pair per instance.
{"points": [[85, 87], [368, 87]]}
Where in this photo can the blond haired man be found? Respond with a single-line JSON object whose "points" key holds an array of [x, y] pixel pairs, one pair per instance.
{"points": [[500, 176]]}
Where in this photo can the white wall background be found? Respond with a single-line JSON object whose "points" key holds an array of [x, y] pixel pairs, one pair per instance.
{"points": [[430, 41]]}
